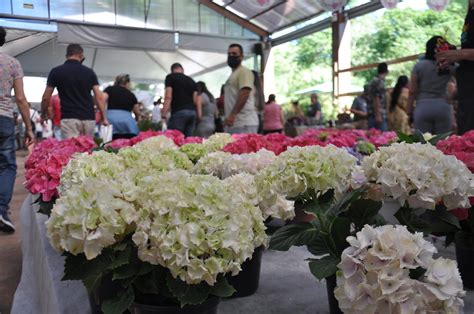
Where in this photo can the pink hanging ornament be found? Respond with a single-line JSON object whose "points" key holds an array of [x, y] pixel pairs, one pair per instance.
{"points": [[331, 5], [389, 4], [437, 5]]}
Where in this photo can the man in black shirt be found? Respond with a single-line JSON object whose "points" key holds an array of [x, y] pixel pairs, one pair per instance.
{"points": [[75, 83], [182, 97]]}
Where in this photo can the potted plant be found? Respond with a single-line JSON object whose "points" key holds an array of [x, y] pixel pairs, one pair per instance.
{"points": [[158, 239], [390, 270]]}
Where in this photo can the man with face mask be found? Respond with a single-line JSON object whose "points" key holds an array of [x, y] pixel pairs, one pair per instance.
{"points": [[75, 82], [239, 100]]}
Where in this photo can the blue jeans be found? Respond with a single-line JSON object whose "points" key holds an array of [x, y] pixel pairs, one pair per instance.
{"points": [[382, 127], [7, 161], [183, 121]]}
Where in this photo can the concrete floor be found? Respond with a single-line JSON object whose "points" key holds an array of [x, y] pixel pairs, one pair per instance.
{"points": [[286, 285], [10, 260]]}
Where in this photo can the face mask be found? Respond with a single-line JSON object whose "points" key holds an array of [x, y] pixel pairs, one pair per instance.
{"points": [[233, 61], [82, 60]]}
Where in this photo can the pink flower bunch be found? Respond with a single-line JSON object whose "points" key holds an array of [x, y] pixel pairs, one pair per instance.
{"points": [[44, 165], [462, 147], [252, 143], [175, 135], [193, 140], [348, 138]]}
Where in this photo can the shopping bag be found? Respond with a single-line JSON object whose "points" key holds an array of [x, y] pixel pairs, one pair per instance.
{"points": [[106, 133]]}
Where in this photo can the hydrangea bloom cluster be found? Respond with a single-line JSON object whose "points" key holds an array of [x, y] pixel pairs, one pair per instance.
{"points": [[306, 173], [462, 147], [198, 226], [223, 165], [92, 210], [44, 166], [374, 274], [420, 176], [99, 191]]}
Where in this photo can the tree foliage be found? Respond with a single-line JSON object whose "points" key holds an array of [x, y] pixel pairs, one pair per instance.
{"points": [[377, 37]]}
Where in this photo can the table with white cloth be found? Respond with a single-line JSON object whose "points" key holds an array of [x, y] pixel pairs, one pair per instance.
{"points": [[286, 285]]}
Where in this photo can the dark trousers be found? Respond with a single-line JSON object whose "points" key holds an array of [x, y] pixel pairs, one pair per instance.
{"points": [[183, 121], [7, 161], [465, 112]]}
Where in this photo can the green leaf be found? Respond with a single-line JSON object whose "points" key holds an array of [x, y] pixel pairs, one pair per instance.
{"points": [[124, 272], [418, 137], [402, 137], [45, 207], [187, 294], [318, 247], [346, 200], [414, 223], [435, 139], [77, 267], [363, 211], [147, 284], [98, 141], [222, 288], [121, 258], [324, 267], [446, 216], [295, 234], [120, 303], [340, 229]]}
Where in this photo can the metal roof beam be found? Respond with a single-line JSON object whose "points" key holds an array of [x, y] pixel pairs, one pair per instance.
{"points": [[235, 18], [369, 7]]}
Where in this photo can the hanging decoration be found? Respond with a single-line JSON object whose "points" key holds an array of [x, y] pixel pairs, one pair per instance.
{"points": [[261, 4], [437, 5], [331, 5], [389, 4]]}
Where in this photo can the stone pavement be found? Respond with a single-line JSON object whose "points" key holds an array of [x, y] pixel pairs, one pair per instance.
{"points": [[10, 255]]}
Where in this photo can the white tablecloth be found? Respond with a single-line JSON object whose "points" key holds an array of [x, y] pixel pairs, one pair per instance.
{"points": [[41, 289]]}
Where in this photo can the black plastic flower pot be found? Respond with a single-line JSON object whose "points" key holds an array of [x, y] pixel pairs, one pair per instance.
{"points": [[331, 284], [246, 282], [465, 257], [207, 307]]}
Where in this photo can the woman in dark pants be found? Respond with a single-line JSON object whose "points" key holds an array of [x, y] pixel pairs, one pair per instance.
{"points": [[464, 73]]}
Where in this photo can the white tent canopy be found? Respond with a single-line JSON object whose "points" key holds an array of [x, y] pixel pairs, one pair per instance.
{"points": [[146, 55]]}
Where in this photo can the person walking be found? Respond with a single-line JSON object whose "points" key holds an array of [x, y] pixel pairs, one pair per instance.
{"points": [[273, 119], [429, 89], [359, 109], [397, 115], [315, 114], [74, 82], [207, 126], [11, 77], [377, 101], [464, 73], [121, 102], [182, 99], [239, 95]]}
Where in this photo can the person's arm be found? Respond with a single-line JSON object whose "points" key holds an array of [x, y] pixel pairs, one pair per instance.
{"points": [[100, 99], [445, 58], [24, 109], [136, 112], [197, 99], [167, 102], [45, 102], [244, 94]]}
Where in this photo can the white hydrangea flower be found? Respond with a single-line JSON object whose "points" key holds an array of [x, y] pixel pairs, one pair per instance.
{"points": [[420, 176], [92, 210], [306, 172], [374, 274], [218, 141], [156, 144], [198, 226]]}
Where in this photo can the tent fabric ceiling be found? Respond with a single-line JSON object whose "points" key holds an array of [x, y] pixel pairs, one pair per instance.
{"points": [[39, 52], [272, 15]]}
